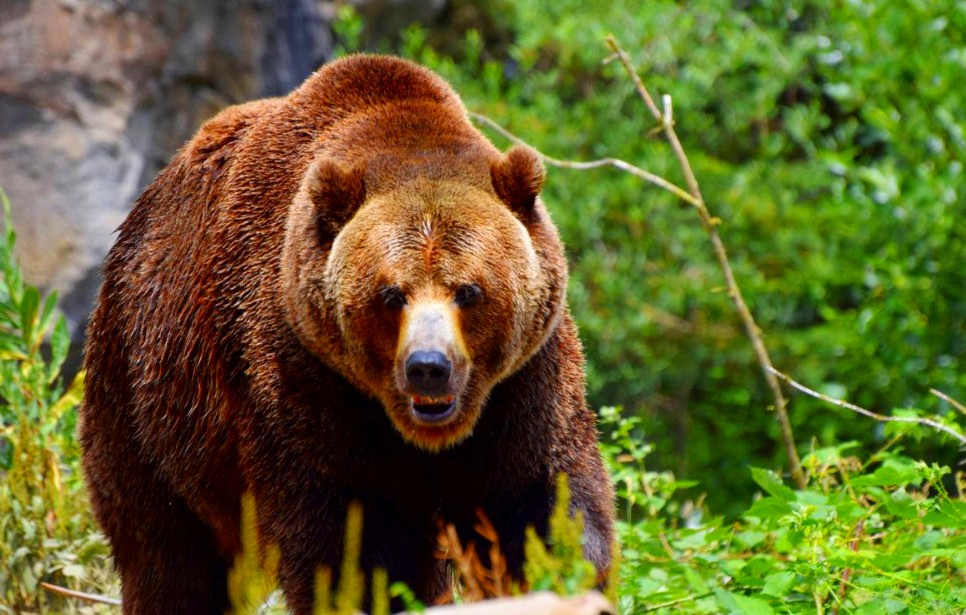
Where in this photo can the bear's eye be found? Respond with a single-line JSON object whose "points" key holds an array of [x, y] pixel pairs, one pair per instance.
{"points": [[393, 296], [468, 294]]}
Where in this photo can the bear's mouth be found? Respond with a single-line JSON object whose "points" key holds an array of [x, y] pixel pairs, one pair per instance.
{"points": [[433, 410]]}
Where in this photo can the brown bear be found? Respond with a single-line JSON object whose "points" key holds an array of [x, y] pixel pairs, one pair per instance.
{"points": [[347, 294]]}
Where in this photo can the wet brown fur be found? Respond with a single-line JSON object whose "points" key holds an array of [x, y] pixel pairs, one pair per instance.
{"points": [[221, 359]]}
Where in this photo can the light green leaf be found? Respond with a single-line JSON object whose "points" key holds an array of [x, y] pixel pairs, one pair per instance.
{"points": [[742, 605], [769, 508], [901, 504], [779, 583], [29, 305], [74, 571], [892, 472], [951, 514], [772, 484], [59, 345]]}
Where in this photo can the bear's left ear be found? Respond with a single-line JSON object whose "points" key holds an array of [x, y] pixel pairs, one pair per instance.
{"points": [[336, 192], [517, 179]]}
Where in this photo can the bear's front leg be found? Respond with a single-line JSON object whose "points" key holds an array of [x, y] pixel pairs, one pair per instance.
{"points": [[168, 559], [309, 530]]}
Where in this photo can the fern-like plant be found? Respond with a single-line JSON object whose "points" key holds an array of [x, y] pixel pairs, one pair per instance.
{"points": [[46, 530]]}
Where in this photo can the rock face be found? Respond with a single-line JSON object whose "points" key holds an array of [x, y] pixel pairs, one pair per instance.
{"points": [[69, 157], [96, 95]]}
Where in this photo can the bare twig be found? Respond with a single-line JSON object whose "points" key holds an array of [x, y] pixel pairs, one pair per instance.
{"points": [[949, 400], [647, 176], [710, 224], [872, 415], [71, 593]]}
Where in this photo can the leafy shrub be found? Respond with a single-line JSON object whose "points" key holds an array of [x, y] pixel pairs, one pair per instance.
{"points": [[880, 536], [46, 530]]}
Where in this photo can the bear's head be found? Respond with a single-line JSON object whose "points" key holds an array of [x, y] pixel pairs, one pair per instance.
{"points": [[428, 294]]}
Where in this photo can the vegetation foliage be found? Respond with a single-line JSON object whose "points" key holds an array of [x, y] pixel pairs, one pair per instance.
{"points": [[46, 530], [828, 139], [883, 535]]}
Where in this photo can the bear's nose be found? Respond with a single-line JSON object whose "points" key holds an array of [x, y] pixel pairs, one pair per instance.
{"points": [[428, 372]]}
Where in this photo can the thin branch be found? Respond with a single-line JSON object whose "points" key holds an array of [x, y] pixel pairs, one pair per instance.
{"points": [[872, 415], [638, 84], [734, 291], [647, 176], [665, 119], [949, 400], [71, 593]]}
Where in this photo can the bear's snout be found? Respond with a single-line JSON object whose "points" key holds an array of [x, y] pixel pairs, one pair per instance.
{"points": [[429, 379], [431, 367], [428, 372]]}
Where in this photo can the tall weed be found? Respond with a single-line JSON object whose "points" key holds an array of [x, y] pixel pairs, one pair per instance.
{"points": [[46, 530]]}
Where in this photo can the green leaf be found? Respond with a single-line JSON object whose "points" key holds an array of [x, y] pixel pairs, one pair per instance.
{"points": [[47, 313], [950, 514], [29, 305], [690, 539], [832, 454], [779, 583], [878, 606], [893, 560], [69, 400], [893, 472], [812, 498], [59, 345], [742, 605], [772, 484], [695, 581], [11, 347], [29, 579], [901, 504], [749, 539], [769, 508], [929, 540], [74, 571]]}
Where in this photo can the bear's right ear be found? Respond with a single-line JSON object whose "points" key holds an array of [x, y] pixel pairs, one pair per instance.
{"points": [[336, 192]]}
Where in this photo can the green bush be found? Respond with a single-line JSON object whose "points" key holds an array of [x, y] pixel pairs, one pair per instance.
{"points": [[46, 530], [880, 536]]}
